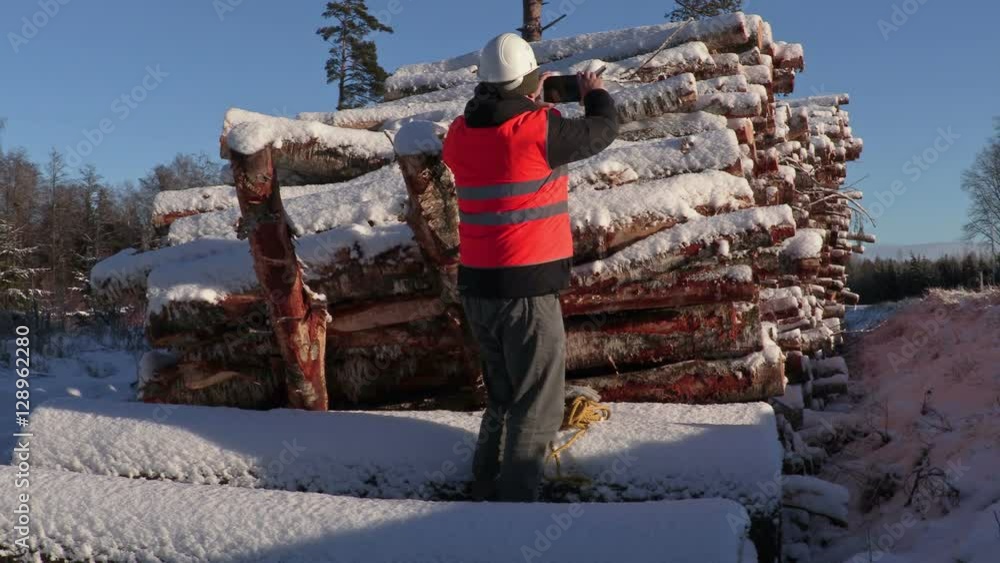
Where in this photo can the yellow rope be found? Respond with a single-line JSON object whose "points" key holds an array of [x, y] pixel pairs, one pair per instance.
{"points": [[580, 414]]}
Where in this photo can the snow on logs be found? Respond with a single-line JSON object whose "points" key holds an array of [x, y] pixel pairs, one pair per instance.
{"points": [[713, 232], [314, 152], [93, 518], [643, 452]]}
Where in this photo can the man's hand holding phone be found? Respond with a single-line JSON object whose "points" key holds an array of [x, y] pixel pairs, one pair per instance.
{"points": [[570, 88], [589, 81]]}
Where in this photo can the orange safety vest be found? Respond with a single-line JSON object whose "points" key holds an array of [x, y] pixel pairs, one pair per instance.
{"points": [[512, 206]]}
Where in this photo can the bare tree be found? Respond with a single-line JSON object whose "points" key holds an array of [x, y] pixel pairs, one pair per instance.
{"points": [[183, 172], [56, 175], [982, 182], [700, 9]]}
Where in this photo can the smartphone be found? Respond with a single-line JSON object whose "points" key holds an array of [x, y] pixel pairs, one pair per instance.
{"points": [[563, 89]]}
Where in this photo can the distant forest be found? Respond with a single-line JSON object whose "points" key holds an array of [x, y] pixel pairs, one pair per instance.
{"points": [[56, 222], [891, 280]]}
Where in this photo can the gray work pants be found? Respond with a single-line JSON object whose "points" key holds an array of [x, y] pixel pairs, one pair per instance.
{"points": [[522, 343]]}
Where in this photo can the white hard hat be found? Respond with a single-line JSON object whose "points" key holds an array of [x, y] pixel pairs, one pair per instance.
{"points": [[506, 59]]}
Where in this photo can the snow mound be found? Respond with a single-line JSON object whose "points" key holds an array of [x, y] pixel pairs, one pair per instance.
{"points": [[928, 376], [112, 519]]}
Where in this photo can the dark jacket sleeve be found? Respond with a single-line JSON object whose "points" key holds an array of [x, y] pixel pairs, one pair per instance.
{"points": [[575, 139]]}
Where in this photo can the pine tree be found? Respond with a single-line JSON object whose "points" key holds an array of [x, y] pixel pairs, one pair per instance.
{"points": [[353, 62], [700, 9], [17, 287]]}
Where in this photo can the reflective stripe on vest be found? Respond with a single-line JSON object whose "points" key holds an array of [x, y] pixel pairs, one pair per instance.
{"points": [[513, 208]]}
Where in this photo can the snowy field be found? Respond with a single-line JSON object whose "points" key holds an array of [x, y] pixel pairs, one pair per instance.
{"points": [[863, 318], [92, 364]]}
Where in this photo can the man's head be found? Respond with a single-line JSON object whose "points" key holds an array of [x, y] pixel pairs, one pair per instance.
{"points": [[508, 63]]}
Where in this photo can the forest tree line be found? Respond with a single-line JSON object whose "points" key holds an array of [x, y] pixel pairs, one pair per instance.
{"points": [[57, 222], [883, 279]]}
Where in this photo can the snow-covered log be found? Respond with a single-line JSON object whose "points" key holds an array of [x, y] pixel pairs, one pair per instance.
{"points": [[643, 452], [376, 198], [93, 518], [720, 32], [626, 341], [660, 158], [298, 316], [757, 376], [672, 95], [315, 152], [171, 205], [671, 125]]}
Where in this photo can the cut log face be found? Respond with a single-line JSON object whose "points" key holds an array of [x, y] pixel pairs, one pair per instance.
{"points": [[298, 316], [210, 383], [406, 361]]}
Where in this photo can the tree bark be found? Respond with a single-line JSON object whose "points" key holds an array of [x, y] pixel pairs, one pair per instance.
{"points": [[531, 29], [298, 316]]}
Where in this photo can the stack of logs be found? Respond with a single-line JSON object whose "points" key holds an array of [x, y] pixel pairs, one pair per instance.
{"points": [[710, 239]]}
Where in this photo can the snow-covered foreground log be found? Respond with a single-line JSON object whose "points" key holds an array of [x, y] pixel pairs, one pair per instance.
{"points": [[644, 452], [91, 518]]}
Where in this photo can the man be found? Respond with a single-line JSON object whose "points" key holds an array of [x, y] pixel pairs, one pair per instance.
{"points": [[509, 153]]}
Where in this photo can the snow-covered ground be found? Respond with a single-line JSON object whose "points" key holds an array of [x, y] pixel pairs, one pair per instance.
{"points": [[88, 363], [925, 478], [862, 318]]}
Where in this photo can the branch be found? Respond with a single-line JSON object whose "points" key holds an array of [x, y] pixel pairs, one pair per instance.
{"points": [[553, 22], [635, 71]]}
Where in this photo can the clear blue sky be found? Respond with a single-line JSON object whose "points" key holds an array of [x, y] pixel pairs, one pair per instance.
{"points": [[938, 70]]}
